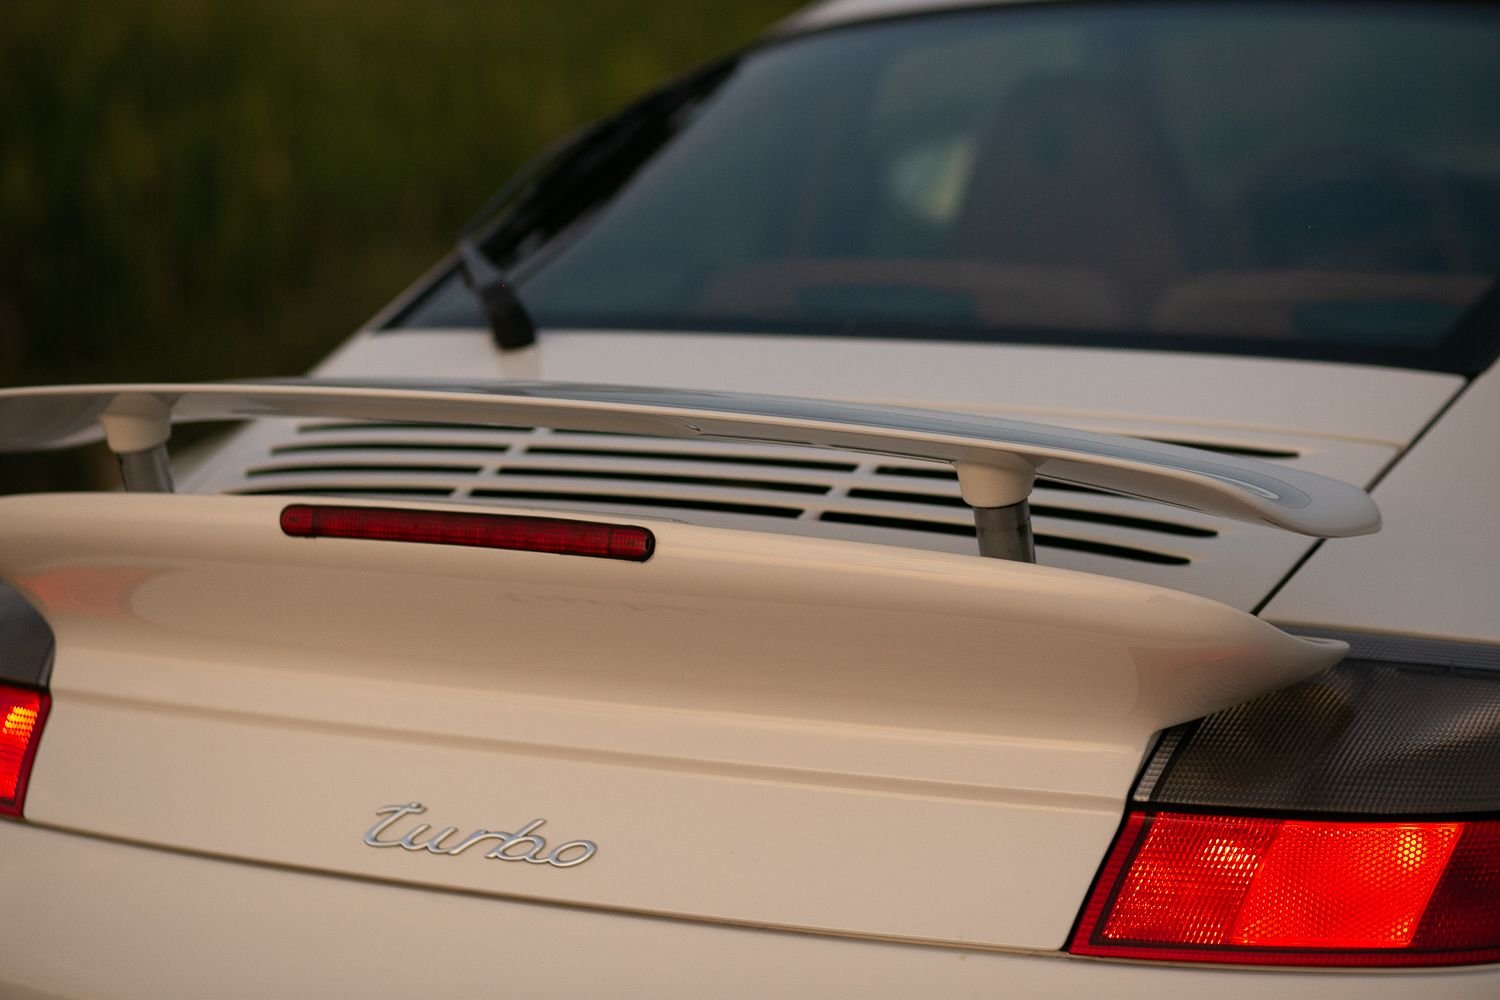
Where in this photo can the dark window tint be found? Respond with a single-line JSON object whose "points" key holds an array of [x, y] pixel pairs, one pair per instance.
{"points": [[1287, 179]]}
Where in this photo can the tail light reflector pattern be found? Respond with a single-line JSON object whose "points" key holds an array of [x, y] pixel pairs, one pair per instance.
{"points": [[1251, 890], [22, 713], [492, 531]]}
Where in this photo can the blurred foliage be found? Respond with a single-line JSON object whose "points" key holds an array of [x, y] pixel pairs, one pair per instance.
{"points": [[194, 189]]}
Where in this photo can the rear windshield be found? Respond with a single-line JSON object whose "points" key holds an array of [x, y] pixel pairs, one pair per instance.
{"points": [[1306, 180]]}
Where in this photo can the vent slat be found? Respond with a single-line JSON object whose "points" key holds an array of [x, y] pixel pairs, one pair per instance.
{"points": [[948, 475], [722, 481], [672, 503], [1042, 540], [1042, 510], [1241, 450], [377, 469], [775, 478], [380, 426], [686, 456], [720, 498], [347, 491], [374, 449]]}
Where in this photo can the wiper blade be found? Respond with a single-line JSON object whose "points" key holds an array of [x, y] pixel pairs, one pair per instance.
{"points": [[509, 322], [553, 177]]}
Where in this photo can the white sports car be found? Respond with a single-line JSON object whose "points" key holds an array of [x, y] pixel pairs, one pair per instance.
{"points": [[647, 603]]}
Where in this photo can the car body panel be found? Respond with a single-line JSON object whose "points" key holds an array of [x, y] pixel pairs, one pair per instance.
{"points": [[233, 930], [1440, 531], [701, 718]]}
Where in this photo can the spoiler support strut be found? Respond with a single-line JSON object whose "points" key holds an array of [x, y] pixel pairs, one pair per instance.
{"points": [[136, 428], [146, 471], [1005, 532]]}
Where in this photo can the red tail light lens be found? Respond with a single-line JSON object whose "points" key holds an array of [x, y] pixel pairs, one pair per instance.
{"points": [[492, 531], [22, 712], [1248, 890]]}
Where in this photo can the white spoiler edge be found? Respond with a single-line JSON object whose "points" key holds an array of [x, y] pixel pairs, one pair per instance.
{"points": [[997, 459]]}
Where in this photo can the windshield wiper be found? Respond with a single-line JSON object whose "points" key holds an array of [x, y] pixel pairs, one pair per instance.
{"points": [[509, 322], [533, 193]]}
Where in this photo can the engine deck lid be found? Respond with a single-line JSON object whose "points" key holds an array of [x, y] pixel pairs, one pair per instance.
{"points": [[747, 728]]}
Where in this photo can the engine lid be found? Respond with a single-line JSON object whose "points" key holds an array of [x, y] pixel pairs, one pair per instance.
{"points": [[807, 734]]}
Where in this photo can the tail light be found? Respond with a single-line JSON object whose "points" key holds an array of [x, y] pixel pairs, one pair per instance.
{"points": [[1349, 820], [1199, 888], [22, 714]]}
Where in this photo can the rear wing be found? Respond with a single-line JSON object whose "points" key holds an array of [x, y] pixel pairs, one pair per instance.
{"points": [[997, 460]]}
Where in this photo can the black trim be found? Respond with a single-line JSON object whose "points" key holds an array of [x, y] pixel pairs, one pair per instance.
{"points": [[1321, 815], [26, 642], [1130, 810], [1405, 728]]}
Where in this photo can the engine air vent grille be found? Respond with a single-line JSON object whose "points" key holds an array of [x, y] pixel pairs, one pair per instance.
{"points": [[766, 487]]}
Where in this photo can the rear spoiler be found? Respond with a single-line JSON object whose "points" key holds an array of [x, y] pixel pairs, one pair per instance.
{"points": [[997, 460]]}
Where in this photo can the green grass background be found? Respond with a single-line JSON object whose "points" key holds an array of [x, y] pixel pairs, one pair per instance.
{"points": [[193, 189]]}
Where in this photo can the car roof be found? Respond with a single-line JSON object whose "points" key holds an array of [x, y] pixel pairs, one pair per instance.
{"points": [[833, 13]]}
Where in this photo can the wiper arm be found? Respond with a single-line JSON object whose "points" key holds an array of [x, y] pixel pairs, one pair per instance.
{"points": [[548, 180], [510, 324]]}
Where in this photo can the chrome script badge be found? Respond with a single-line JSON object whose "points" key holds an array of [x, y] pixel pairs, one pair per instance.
{"points": [[533, 849]]}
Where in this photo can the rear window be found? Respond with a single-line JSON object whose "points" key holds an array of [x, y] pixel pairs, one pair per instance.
{"points": [[1308, 180]]}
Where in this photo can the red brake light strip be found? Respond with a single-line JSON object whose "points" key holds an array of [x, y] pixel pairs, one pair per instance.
{"points": [[493, 531]]}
